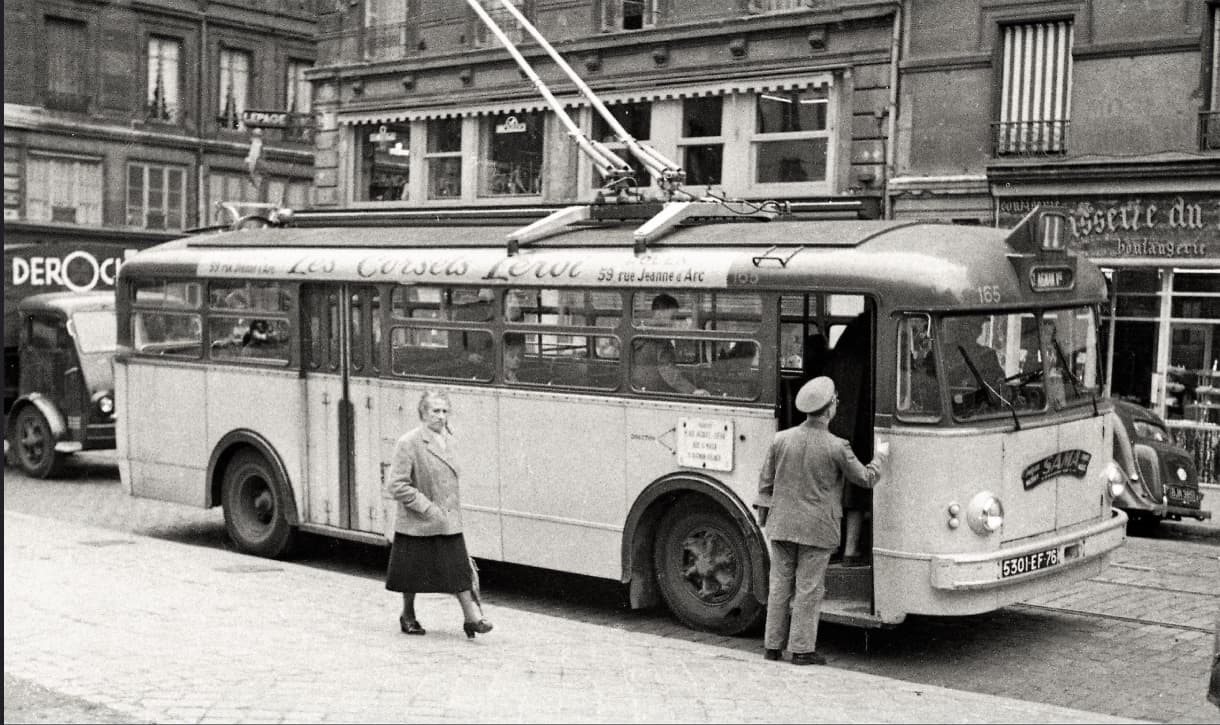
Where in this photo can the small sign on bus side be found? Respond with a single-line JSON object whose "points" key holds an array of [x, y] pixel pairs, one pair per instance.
{"points": [[705, 443]]}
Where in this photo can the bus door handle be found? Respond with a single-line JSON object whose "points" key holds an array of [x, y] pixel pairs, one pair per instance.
{"points": [[325, 398]]}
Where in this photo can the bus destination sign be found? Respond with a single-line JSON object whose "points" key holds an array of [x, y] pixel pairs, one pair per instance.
{"points": [[1051, 279]]}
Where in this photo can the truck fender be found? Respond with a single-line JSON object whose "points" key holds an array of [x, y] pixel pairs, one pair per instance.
{"points": [[646, 512], [55, 419], [235, 440]]}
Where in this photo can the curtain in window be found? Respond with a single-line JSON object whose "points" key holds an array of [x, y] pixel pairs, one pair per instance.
{"points": [[163, 54], [299, 92], [63, 190], [1035, 98], [234, 86]]}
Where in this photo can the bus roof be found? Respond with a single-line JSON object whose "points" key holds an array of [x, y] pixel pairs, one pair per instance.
{"points": [[915, 265], [68, 302]]}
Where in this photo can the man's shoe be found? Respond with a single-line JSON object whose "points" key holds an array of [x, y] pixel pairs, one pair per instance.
{"points": [[773, 655], [808, 658]]}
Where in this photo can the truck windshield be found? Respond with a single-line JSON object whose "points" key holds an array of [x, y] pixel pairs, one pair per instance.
{"points": [[95, 330], [999, 363]]}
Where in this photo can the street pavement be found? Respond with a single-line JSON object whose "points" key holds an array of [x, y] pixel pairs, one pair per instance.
{"points": [[156, 630]]}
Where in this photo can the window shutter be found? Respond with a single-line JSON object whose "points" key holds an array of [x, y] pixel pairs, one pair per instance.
{"points": [[1035, 97]]}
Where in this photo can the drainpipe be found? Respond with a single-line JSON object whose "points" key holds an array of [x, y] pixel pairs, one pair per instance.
{"points": [[892, 109], [200, 99]]}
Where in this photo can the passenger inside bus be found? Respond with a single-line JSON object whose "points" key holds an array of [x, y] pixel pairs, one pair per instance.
{"points": [[850, 366], [924, 391], [654, 365]]}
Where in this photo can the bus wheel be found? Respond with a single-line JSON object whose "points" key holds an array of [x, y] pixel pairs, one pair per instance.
{"points": [[254, 511], [34, 444], [704, 571]]}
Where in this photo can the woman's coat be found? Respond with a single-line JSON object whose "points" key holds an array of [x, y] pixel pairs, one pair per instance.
{"points": [[423, 480]]}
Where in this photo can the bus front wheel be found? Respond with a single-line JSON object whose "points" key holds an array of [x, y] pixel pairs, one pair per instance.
{"points": [[34, 444], [703, 570], [253, 507]]}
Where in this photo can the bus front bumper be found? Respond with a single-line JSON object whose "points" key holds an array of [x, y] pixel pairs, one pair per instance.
{"points": [[1033, 560]]}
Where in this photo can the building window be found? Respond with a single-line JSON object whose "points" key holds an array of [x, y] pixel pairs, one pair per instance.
{"points": [[1035, 89], [229, 186], [292, 193], [512, 154], [67, 65], [299, 95], [444, 158], [234, 86], [702, 144], [387, 33], [162, 102], [503, 19], [1209, 121], [155, 196], [64, 190], [385, 162], [628, 15], [636, 119], [791, 136], [777, 6]]}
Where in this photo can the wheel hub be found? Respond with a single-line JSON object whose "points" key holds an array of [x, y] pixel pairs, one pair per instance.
{"points": [[709, 566]]}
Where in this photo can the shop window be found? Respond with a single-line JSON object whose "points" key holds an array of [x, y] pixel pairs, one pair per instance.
{"points": [[636, 119], [444, 158], [385, 155], [791, 136], [234, 87], [63, 190], [163, 102], [1035, 89], [291, 193], [1193, 377], [701, 143], [512, 154], [67, 66], [155, 195]]}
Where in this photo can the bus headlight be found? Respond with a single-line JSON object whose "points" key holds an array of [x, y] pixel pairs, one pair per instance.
{"points": [[105, 404], [1114, 478], [985, 514]]}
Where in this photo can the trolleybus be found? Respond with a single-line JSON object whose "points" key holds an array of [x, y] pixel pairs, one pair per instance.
{"points": [[270, 371]]}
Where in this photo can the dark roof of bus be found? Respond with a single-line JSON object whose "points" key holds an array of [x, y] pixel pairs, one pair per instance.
{"points": [[68, 302]]}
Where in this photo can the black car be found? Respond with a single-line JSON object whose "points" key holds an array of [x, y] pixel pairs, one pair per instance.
{"points": [[1163, 482], [65, 391]]}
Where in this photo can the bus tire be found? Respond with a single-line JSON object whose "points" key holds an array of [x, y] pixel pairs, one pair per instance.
{"points": [[254, 511], [703, 570], [33, 444]]}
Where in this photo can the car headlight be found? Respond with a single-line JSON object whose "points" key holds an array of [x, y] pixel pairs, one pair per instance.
{"points": [[105, 404], [1114, 478], [985, 514]]}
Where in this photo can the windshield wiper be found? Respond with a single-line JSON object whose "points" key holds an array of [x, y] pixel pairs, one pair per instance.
{"points": [[1076, 382], [1016, 422]]}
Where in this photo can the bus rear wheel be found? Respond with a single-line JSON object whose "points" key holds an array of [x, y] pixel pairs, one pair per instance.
{"points": [[34, 444], [704, 570], [253, 507]]}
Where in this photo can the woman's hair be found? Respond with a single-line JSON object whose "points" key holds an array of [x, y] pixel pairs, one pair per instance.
{"points": [[430, 395]]}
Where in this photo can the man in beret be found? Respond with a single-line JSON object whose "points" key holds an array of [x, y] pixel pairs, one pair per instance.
{"points": [[800, 495]]}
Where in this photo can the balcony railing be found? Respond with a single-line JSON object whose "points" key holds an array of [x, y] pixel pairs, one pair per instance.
{"points": [[1209, 131], [1029, 138]]}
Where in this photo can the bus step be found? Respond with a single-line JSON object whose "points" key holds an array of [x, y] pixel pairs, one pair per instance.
{"points": [[855, 583]]}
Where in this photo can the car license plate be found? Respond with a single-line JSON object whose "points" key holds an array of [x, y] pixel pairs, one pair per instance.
{"points": [[1024, 564], [1184, 496]]}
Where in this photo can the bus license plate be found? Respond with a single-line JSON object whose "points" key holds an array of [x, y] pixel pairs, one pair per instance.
{"points": [[1024, 564]]}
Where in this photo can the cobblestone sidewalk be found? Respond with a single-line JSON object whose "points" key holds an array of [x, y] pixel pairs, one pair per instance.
{"points": [[160, 631]]}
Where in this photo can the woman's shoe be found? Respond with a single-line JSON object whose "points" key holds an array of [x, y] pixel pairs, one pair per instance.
{"points": [[482, 627], [411, 626]]}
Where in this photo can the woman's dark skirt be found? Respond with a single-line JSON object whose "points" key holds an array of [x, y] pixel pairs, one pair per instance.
{"points": [[424, 564]]}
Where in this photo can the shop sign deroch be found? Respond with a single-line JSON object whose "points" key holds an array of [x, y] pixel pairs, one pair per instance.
{"points": [[1168, 227]]}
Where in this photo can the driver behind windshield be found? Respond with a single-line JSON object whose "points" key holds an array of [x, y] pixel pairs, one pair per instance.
{"points": [[962, 335]]}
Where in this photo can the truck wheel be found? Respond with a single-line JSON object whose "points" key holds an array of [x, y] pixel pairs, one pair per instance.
{"points": [[34, 444], [253, 507], [704, 570]]}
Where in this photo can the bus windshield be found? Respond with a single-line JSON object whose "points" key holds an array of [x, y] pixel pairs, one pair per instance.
{"points": [[996, 363], [95, 330]]}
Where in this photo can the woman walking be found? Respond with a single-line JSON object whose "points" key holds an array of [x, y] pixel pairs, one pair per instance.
{"points": [[429, 551]]}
